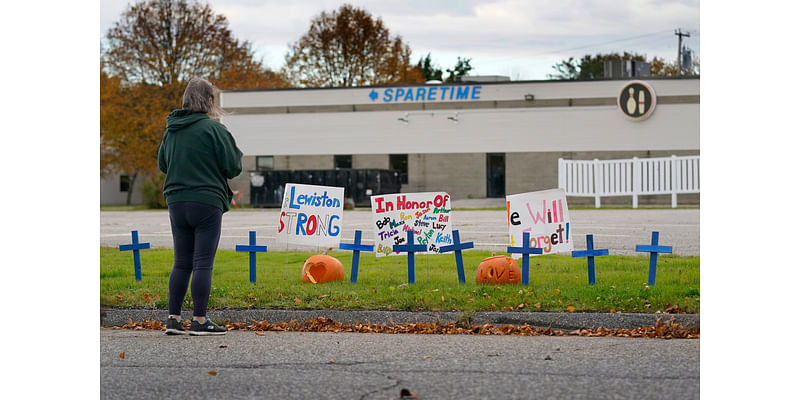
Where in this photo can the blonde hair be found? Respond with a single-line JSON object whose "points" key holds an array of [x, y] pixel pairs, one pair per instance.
{"points": [[201, 96]]}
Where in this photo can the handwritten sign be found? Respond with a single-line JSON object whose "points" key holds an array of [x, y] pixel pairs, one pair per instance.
{"points": [[311, 215], [427, 214], [544, 215]]}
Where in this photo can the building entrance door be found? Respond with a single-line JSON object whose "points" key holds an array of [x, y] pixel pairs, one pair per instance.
{"points": [[495, 174]]}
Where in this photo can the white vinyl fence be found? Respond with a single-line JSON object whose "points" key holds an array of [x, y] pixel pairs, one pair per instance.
{"points": [[631, 177]]}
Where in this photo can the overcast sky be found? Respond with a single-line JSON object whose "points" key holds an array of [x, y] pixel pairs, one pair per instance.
{"points": [[515, 38]]}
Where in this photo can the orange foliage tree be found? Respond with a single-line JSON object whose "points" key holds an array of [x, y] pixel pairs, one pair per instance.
{"points": [[132, 121], [347, 47], [150, 54]]}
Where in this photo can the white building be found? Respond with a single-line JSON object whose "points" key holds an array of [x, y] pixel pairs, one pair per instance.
{"points": [[472, 139]]}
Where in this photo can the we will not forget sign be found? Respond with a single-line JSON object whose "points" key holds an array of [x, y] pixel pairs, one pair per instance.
{"points": [[311, 215], [544, 215]]}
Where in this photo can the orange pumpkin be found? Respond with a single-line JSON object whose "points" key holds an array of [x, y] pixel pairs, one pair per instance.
{"points": [[498, 269], [321, 268]]}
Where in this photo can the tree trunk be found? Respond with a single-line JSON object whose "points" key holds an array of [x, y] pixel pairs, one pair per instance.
{"points": [[130, 188]]}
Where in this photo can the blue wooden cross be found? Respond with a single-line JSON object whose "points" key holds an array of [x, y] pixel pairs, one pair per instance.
{"points": [[457, 246], [410, 247], [252, 249], [135, 246], [357, 248], [526, 251], [590, 253], [653, 249]]}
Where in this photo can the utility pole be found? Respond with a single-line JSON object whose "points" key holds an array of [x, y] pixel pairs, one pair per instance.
{"points": [[680, 48]]}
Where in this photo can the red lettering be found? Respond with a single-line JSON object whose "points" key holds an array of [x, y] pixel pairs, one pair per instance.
{"points": [[378, 201], [309, 229], [280, 229]]}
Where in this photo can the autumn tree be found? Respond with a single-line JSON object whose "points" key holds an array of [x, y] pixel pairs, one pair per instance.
{"points": [[132, 121], [164, 42], [592, 67], [662, 67], [150, 54], [348, 47]]}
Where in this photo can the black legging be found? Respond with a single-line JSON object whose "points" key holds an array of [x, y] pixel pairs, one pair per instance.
{"points": [[195, 234]]}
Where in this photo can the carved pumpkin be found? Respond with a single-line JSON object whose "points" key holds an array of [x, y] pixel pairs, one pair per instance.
{"points": [[322, 268], [498, 269]]}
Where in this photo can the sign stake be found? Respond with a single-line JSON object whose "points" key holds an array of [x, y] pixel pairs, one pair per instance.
{"points": [[410, 248], [526, 251]]}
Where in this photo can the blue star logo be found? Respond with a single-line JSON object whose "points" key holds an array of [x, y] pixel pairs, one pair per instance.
{"points": [[373, 95]]}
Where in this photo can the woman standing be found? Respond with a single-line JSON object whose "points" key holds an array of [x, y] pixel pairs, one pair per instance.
{"points": [[198, 156]]}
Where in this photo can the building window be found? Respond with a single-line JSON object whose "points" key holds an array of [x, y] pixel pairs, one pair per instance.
{"points": [[124, 183], [265, 162], [399, 163], [342, 161]]}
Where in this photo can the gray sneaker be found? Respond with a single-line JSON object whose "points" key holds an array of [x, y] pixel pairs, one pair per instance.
{"points": [[174, 327], [207, 328]]}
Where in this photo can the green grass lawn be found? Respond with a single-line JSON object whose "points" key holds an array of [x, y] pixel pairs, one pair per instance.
{"points": [[557, 283]]}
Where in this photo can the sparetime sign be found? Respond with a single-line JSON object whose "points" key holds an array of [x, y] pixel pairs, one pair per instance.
{"points": [[426, 93]]}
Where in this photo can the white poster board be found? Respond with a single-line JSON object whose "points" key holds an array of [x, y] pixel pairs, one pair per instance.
{"points": [[311, 215], [545, 215], [428, 214]]}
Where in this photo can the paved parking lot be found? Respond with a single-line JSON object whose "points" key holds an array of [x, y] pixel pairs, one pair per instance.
{"points": [[618, 230]]}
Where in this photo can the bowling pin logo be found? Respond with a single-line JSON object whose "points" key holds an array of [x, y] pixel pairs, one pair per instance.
{"points": [[631, 104], [636, 100]]}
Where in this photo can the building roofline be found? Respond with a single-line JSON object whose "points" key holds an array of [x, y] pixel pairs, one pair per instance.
{"points": [[649, 78]]}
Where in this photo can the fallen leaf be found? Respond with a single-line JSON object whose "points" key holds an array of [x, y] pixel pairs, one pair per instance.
{"points": [[331, 361], [548, 358], [426, 357], [538, 305], [297, 301], [556, 291], [521, 306], [261, 334], [571, 308], [212, 373], [122, 355], [407, 394]]}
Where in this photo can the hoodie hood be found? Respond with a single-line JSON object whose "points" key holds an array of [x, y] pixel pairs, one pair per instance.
{"points": [[180, 119]]}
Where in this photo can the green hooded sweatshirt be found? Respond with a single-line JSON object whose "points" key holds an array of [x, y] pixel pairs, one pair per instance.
{"points": [[199, 155]]}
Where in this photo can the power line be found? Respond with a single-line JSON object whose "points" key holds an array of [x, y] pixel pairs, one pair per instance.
{"points": [[603, 43]]}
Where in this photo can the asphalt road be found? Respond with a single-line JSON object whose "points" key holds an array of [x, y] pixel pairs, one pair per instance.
{"points": [[292, 365], [618, 230]]}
